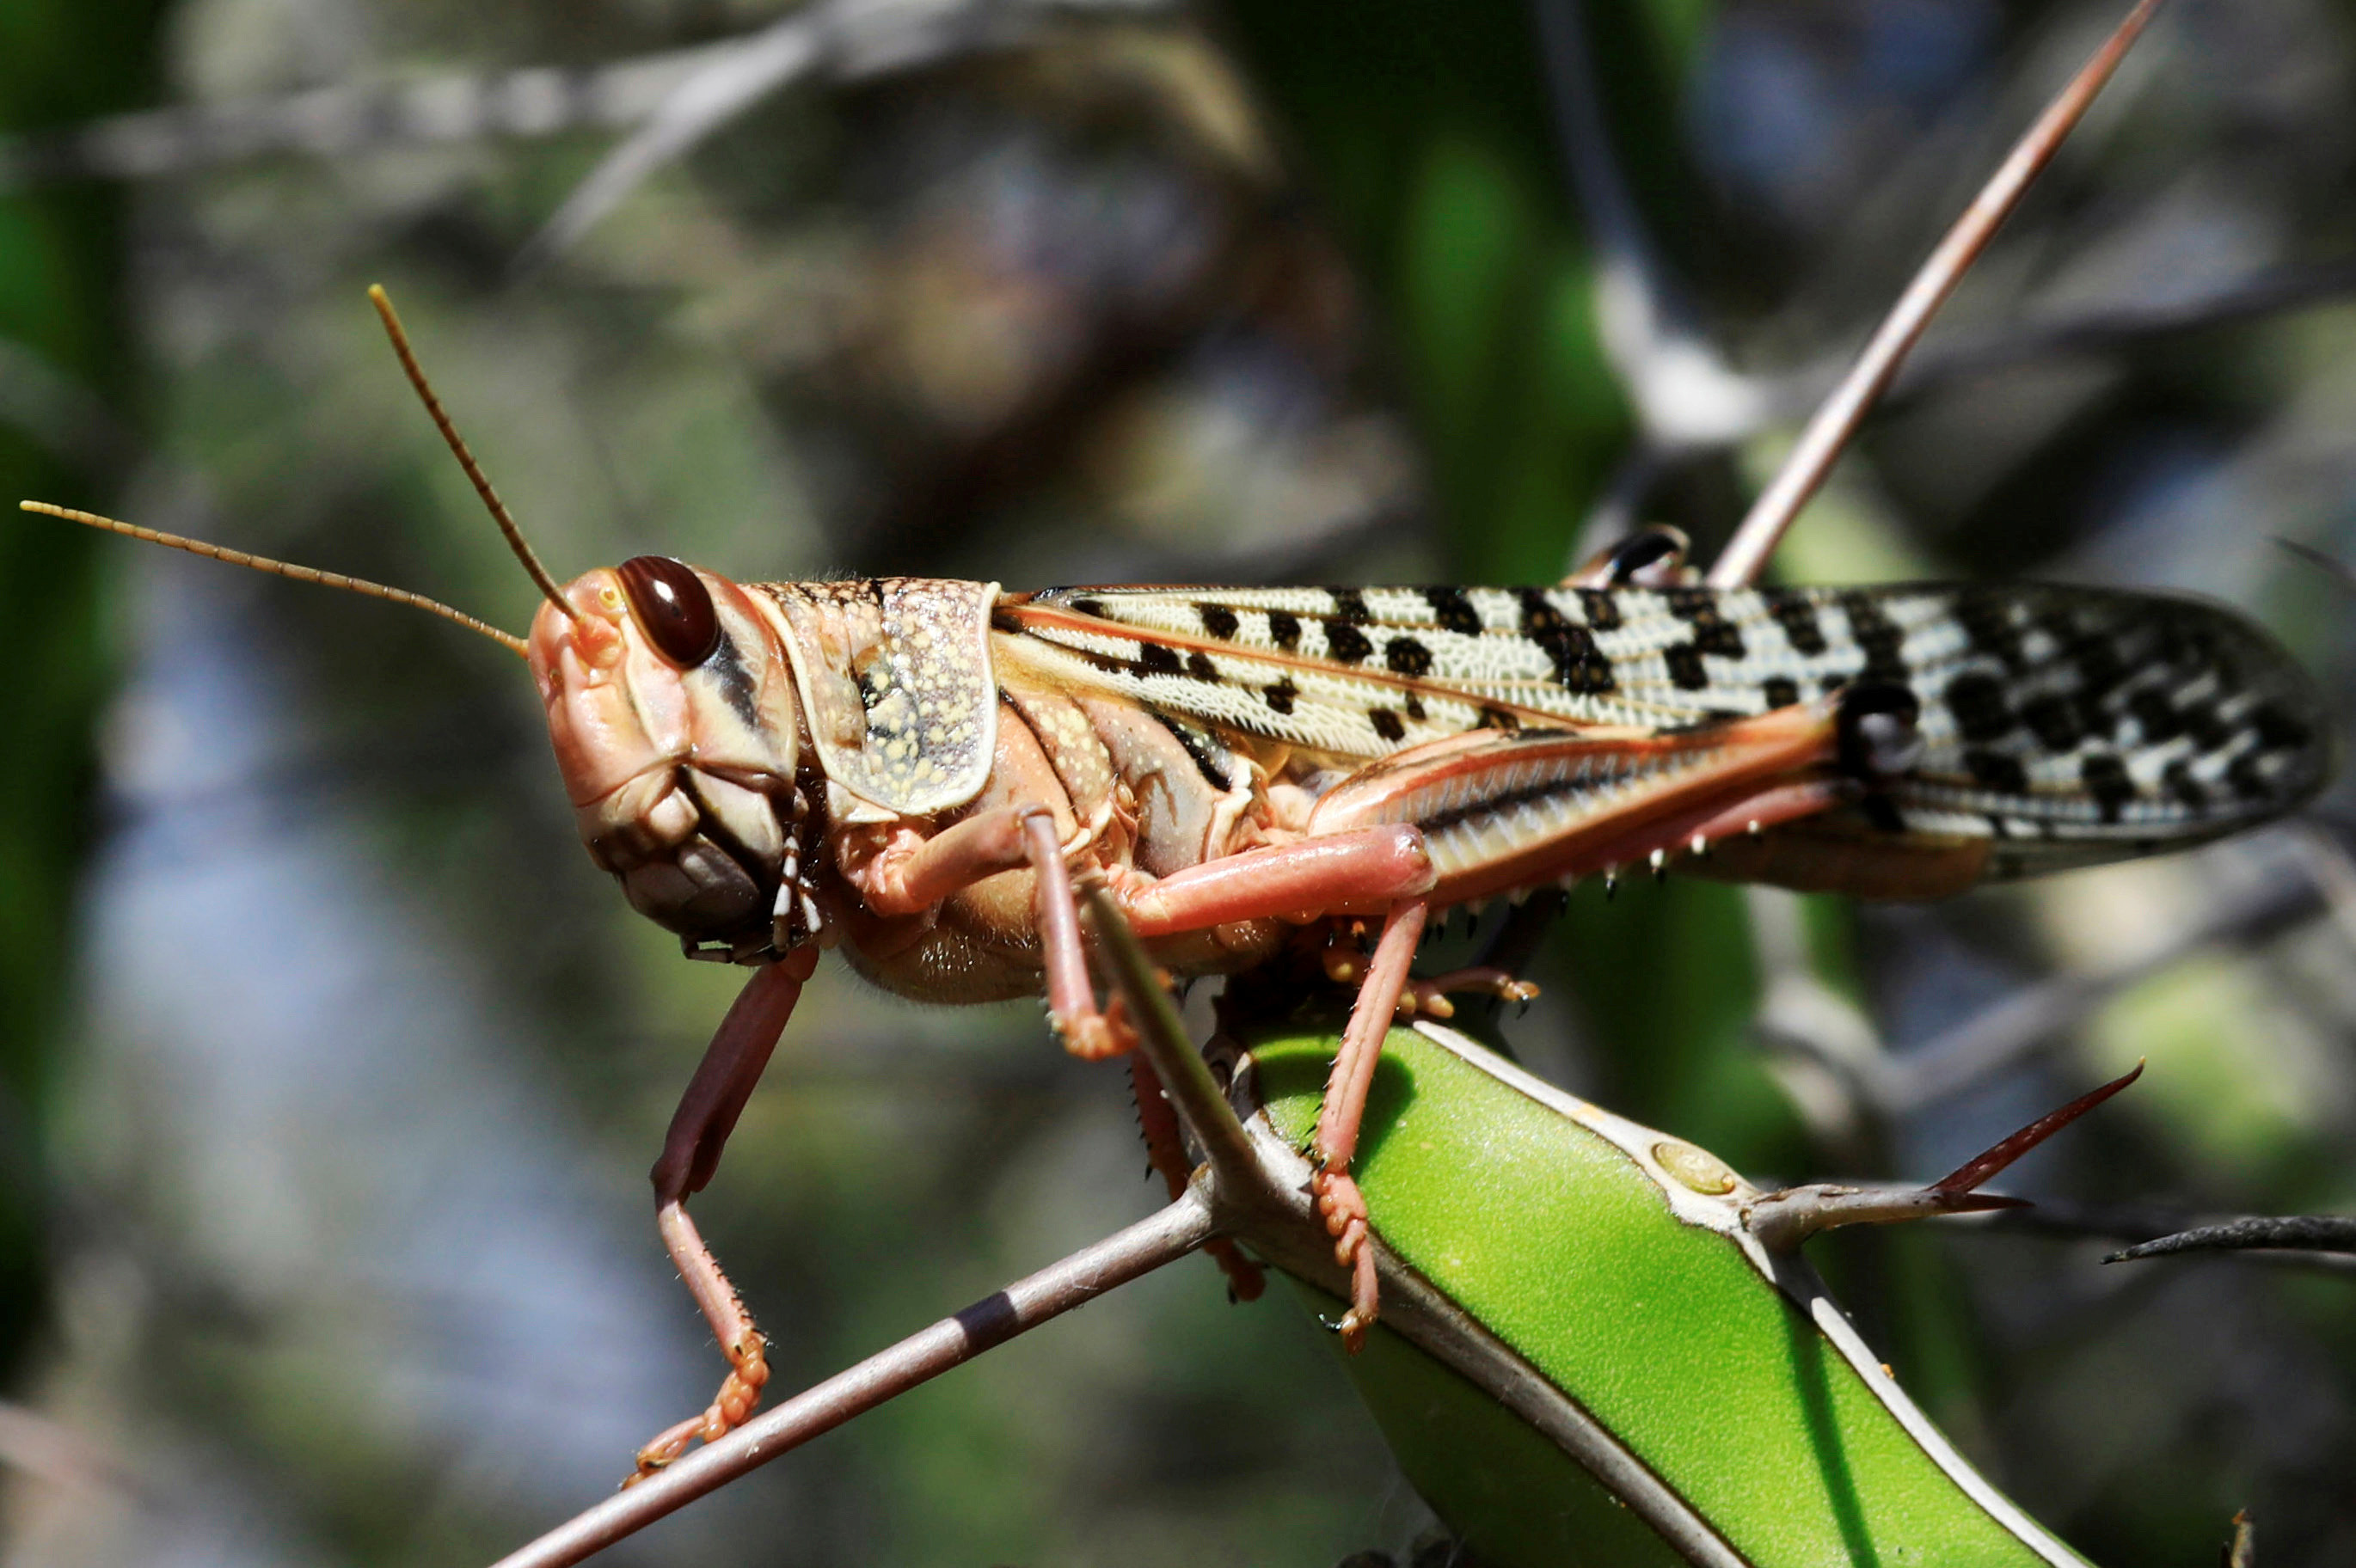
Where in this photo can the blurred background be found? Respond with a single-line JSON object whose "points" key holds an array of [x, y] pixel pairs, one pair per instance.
{"points": [[329, 1068]]}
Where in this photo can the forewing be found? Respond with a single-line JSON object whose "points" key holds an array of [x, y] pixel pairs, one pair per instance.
{"points": [[2073, 724]]}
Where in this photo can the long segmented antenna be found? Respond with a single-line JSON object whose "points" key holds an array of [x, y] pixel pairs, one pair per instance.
{"points": [[1829, 431], [458, 449], [360, 585]]}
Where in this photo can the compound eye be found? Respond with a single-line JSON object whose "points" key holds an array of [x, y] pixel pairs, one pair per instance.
{"points": [[672, 605]]}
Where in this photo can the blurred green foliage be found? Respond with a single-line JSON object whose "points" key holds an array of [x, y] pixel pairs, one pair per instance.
{"points": [[63, 331]]}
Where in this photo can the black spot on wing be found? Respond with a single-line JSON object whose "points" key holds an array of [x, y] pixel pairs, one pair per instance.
{"points": [[1284, 629], [1089, 607], [1578, 665], [1797, 616], [1407, 657], [1702, 610], [1686, 668], [2248, 779], [1280, 696], [1981, 713], [1599, 609], [1220, 621], [1386, 724], [2053, 722], [2209, 732], [2182, 787], [1345, 643], [2105, 778], [2095, 661], [2157, 716], [1453, 611], [1878, 636], [1780, 691], [1985, 615], [1350, 606], [1154, 659], [1199, 666], [2278, 730]]}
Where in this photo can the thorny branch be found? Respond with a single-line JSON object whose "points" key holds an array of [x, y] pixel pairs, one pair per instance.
{"points": [[2330, 1233], [1829, 433], [1074, 1281], [1687, 398]]}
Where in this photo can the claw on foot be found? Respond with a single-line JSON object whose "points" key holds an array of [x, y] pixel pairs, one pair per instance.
{"points": [[1342, 1207], [1097, 1036], [1343, 957], [730, 1408], [1429, 997]]}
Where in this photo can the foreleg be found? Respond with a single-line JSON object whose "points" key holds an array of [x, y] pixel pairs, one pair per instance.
{"points": [[699, 1131]]}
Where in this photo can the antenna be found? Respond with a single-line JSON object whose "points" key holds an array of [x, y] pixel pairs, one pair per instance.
{"points": [[360, 585], [500, 515]]}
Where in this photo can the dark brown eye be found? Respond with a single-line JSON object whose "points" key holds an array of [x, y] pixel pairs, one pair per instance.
{"points": [[674, 608]]}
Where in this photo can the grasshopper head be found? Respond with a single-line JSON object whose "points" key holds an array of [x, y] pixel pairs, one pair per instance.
{"points": [[673, 715]]}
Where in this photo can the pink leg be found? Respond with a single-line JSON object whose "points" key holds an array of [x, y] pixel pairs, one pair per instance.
{"points": [[1344, 962], [911, 877], [1361, 872], [707, 1113], [1429, 997], [907, 880], [1167, 1155], [1339, 1202], [1071, 998]]}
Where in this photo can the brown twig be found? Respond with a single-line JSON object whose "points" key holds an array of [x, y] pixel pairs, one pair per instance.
{"points": [[2334, 1234], [2102, 329], [1074, 1281], [1829, 433], [1161, 1035]]}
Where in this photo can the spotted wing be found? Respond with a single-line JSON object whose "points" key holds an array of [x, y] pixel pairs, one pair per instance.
{"points": [[2074, 724]]}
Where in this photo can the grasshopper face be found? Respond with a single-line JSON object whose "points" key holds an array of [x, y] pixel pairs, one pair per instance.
{"points": [[672, 712]]}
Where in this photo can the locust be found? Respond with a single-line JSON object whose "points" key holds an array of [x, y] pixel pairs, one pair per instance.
{"points": [[913, 771], [918, 772]]}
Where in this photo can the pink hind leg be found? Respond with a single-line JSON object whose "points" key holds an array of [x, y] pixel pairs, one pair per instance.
{"points": [[1339, 1202]]}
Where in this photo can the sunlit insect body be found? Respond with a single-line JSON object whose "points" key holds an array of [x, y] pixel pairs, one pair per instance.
{"points": [[913, 769]]}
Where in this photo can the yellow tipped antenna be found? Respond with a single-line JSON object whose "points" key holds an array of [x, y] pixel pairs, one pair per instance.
{"points": [[500, 515], [507, 640]]}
